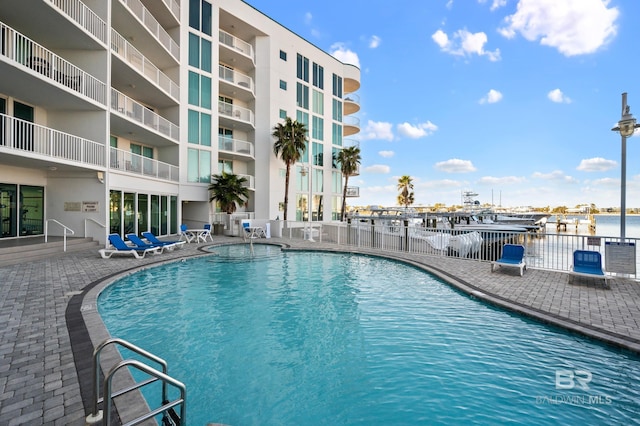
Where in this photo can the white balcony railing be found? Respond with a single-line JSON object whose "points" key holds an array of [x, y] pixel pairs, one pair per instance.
{"points": [[23, 50], [174, 7], [154, 27], [348, 142], [251, 181], [24, 136], [235, 146], [83, 16], [135, 111], [237, 44], [125, 50], [235, 77], [236, 112], [135, 163]]}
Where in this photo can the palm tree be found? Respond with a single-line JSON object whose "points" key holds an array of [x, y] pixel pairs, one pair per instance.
{"points": [[290, 144], [229, 191], [405, 186], [349, 160]]}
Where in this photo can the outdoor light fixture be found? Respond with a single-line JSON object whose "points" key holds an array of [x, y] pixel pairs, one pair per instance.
{"points": [[626, 127]]}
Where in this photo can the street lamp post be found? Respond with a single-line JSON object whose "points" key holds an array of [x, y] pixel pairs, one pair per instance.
{"points": [[626, 126]]}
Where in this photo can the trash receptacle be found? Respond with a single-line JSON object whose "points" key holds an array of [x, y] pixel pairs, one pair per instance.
{"points": [[218, 228]]}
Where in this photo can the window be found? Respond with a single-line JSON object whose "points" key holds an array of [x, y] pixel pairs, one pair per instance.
{"points": [[199, 128], [336, 134], [336, 182], [194, 88], [337, 86], [334, 157], [205, 60], [318, 102], [225, 166], [337, 110], [199, 53], [225, 139], [283, 85], [302, 68], [302, 96], [199, 166], [200, 15], [199, 90], [283, 55], [318, 76], [318, 154], [317, 128], [283, 114]]}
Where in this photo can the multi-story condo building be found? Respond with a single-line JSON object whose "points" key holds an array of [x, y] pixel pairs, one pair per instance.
{"points": [[109, 109]]}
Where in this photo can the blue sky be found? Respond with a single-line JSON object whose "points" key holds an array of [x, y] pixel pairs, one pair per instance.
{"points": [[511, 99]]}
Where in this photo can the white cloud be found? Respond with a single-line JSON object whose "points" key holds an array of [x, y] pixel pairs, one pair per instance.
{"points": [[464, 43], [495, 4], [455, 165], [345, 55], [378, 169], [574, 27], [556, 175], [374, 41], [505, 180], [308, 17], [557, 96], [419, 131], [386, 154], [377, 130], [491, 97], [596, 164]]}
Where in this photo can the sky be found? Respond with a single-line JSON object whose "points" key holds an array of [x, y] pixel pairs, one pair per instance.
{"points": [[511, 99]]}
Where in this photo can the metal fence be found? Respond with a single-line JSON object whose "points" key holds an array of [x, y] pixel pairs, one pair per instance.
{"points": [[542, 250]]}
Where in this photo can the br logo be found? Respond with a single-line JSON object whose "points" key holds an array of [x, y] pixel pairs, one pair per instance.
{"points": [[570, 379]]}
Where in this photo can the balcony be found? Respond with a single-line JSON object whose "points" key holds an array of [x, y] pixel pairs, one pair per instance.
{"points": [[135, 22], [47, 64], [236, 84], [168, 15], [351, 78], [23, 137], [350, 125], [353, 191], [129, 162], [84, 17], [351, 104], [236, 51], [235, 116], [251, 181], [348, 142], [134, 111], [235, 148], [137, 61]]}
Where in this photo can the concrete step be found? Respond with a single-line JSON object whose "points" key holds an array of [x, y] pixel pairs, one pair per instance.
{"points": [[30, 252]]}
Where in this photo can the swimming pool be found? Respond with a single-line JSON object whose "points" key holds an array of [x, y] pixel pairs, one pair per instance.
{"points": [[312, 338]]}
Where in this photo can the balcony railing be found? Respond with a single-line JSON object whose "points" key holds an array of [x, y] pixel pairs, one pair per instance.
{"points": [[235, 77], [143, 14], [174, 7], [24, 136], [23, 50], [125, 50], [251, 181], [235, 112], [348, 142], [83, 16], [235, 146], [237, 44], [351, 103], [135, 163], [137, 112]]}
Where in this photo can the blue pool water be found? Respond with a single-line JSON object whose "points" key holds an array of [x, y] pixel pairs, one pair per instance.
{"points": [[308, 338]]}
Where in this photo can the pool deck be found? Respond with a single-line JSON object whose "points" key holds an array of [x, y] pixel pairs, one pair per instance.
{"points": [[46, 341]]}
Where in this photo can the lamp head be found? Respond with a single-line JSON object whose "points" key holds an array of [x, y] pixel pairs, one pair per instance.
{"points": [[627, 125]]}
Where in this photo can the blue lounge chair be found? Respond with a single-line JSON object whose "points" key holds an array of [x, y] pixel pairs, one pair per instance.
{"points": [[137, 242], [120, 247], [155, 240], [587, 263], [512, 256]]}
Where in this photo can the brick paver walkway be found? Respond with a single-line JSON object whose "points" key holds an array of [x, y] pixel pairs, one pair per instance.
{"points": [[44, 349]]}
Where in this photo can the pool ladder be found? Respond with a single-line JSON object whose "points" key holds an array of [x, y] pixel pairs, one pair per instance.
{"points": [[166, 409]]}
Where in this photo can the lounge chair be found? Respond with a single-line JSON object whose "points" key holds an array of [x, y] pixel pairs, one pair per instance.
{"points": [[155, 240], [587, 263], [121, 248], [137, 242], [512, 257]]}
